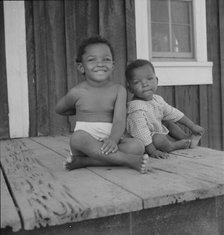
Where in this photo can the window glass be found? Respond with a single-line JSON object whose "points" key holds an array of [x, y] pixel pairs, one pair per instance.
{"points": [[171, 28]]}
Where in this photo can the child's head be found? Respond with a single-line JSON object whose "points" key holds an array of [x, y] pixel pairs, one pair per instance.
{"points": [[92, 41], [141, 78], [95, 60], [134, 65]]}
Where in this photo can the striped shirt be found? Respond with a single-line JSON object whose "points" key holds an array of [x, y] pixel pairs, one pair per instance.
{"points": [[144, 118]]}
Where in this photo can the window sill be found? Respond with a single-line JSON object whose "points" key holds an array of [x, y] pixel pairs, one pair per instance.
{"points": [[183, 73]]}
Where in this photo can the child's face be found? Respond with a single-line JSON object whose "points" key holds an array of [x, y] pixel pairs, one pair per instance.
{"points": [[143, 82], [97, 63]]}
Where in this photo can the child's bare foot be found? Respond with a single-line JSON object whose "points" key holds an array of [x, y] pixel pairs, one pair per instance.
{"points": [[139, 164], [74, 163], [182, 144], [195, 140]]}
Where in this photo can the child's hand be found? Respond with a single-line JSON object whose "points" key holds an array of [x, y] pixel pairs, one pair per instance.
{"points": [[159, 154], [198, 130], [109, 146]]}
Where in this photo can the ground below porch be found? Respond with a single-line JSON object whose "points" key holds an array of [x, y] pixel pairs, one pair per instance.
{"points": [[183, 194]]}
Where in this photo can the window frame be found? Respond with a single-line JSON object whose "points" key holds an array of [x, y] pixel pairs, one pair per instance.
{"points": [[187, 71]]}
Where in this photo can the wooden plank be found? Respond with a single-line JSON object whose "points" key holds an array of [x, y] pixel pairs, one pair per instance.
{"points": [[203, 109], [207, 156], [9, 214], [130, 30], [198, 173], [31, 68], [4, 124], [186, 100], [56, 55], [176, 179], [214, 92], [161, 186], [41, 61], [46, 194], [130, 35], [112, 27], [57, 143], [221, 31], [189, 168]]}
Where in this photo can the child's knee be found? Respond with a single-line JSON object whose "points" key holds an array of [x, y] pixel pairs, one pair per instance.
{"points": [[77, 139], [140, 146], [162, 143], [137, 146]]}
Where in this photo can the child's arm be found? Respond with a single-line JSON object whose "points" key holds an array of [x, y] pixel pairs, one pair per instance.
{"points": [[196, 129], [119, 120], [66, 105], [119, 117]]}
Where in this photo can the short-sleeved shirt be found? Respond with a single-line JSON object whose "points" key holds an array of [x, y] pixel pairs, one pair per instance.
{"points": [[144, 118]]}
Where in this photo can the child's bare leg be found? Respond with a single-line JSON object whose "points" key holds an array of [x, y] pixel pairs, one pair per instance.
{"points": [[86, 144], [79, 160], [175, 131], [163, 143], [132, 145]]}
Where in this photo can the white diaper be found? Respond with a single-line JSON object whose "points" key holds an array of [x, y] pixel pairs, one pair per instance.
{"points": [[99, 130]]}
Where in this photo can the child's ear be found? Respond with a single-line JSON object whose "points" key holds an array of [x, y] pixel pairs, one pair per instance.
{"points": [[80, 67], [157, 79]]}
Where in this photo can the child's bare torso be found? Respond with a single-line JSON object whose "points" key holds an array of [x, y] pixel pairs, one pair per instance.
{"points": [[95, 104]]}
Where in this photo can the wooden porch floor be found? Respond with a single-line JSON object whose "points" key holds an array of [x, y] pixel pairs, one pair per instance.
{"points": [[37, 192]]}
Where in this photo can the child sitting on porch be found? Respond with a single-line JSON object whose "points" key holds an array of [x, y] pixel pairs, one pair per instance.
{"points": [[146, 111], [100, 108]]}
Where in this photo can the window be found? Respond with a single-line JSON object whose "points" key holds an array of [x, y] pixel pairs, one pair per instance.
{"points": [[171, 29], [172, 34]]}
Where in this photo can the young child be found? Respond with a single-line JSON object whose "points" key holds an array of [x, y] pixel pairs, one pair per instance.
{"points": [[146, 112], [100, 108]]}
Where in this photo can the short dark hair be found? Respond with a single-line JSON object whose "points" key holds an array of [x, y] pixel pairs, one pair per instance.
{"points": [[137, 64], [91, 41]]}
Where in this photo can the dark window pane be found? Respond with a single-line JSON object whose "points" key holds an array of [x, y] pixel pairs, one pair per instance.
{"points": [[159, 11], [180, 12], [160, 37], [181, 38]]}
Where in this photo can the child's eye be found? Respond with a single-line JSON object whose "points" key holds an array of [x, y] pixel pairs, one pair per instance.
{"points": [[108, 59], [90, 59]]}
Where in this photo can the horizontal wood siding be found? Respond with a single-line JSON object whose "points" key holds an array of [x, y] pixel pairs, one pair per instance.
{"points": [[54, 32]]}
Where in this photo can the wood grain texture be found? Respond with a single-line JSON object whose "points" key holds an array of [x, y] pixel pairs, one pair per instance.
{"points": [[56, 61], [46, 194], [214, 91], [113, 28], [9, 214], [4, 123], [41, 64], [31, 68], [187, 175], [130, 30], [221, 31]]}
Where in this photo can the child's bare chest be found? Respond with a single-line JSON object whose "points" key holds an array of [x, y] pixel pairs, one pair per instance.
{"points": [[96, 100]]}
